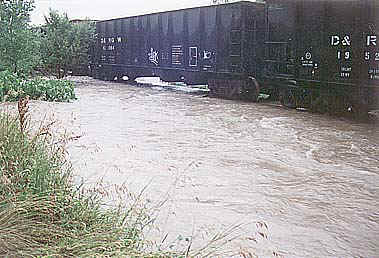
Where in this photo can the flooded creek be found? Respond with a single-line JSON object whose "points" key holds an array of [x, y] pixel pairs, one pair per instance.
{"points": [[304, 185]]}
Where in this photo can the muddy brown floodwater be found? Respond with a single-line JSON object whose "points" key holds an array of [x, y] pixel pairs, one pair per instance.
{"points": [[313, 180]]}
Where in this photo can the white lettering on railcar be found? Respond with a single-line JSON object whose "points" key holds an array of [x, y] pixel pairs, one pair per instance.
{"points": [[371, 40], [119, 39], [346, 69], [346, 41], [108, 48], [164, 56], [367, 55], [177, 54], [345, 55], [373, 73], [336, 40]]}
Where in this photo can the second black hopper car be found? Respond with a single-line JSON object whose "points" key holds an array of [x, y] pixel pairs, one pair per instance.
{"points": [[323, 54], [319, 54]]}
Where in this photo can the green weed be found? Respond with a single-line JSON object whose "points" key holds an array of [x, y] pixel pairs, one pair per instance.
{"points": [[13, 88]]}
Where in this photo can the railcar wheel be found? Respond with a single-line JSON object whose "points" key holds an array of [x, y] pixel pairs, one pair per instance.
{"points": [[360, 111], [287, 98], [252, 89]]}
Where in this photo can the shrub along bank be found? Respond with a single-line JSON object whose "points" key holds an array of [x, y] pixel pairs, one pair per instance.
{"points": [[14, 87]]}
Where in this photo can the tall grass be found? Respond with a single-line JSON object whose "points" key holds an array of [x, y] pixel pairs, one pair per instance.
{"points": [[42, 214]]}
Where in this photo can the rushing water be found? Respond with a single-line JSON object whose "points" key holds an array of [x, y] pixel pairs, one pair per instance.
{"points": [[305, 185]]}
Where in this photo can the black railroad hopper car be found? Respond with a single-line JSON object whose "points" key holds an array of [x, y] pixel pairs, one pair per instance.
{"points": [[323, 54], [219, 44], [319, 54]]}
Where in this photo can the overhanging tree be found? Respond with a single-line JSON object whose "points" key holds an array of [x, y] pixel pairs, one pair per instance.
{"points": [[65, 45], [18, 41], [84, 37]]}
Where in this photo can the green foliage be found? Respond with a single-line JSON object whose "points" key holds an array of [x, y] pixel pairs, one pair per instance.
{"points": [[25, 166], [65, 44], [18, 42], [12, 88], [84, 34]]}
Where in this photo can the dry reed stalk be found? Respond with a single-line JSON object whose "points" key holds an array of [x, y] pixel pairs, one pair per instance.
{"points": [[23, 112]]}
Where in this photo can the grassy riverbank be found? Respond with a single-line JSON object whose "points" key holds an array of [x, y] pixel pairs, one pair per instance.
{"points": [[43, 214]]}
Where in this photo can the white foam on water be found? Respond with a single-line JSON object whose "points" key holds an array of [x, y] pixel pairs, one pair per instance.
{"points": [[177, 86]]}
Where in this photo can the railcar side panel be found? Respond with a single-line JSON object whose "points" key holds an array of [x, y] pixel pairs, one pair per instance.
{"points": [[209, 38], [165, 58], [371, 51], [327, 46], [280, 38], [191, 44], [194, 37], [253, 35]]}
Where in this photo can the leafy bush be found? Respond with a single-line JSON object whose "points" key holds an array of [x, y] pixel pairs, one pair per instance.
{"points": [[13, 88], [18, 40], [73, 40]]}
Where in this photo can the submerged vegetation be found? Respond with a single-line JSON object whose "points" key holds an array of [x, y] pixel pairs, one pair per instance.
{"points": [[13, 88], [26, 51]]}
